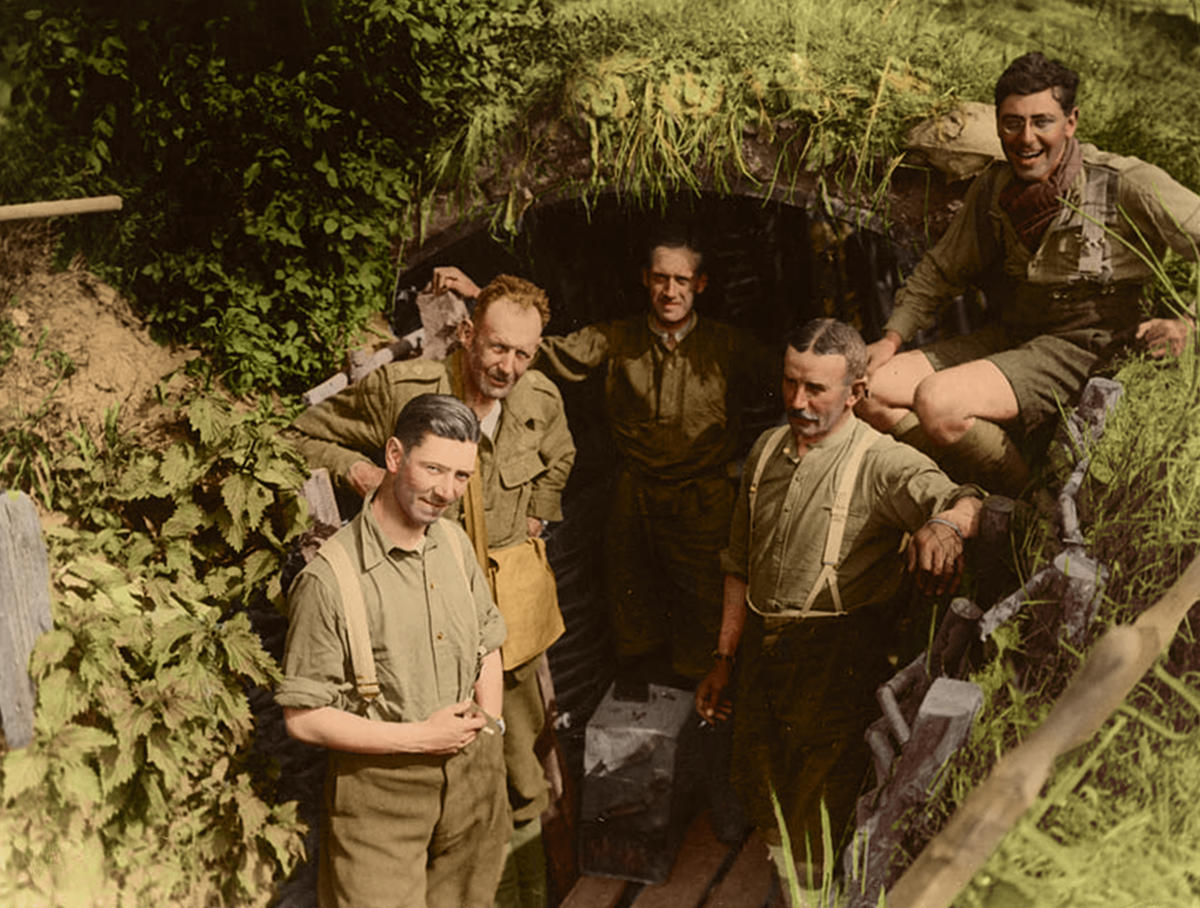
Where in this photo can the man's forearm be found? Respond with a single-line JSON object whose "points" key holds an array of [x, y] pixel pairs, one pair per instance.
{"points": [[733, 615], [964, 515], [489, 689], [337, 729]]}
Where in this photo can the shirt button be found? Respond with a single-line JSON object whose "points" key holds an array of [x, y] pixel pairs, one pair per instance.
{"points": [[440, 635], [432, 585]]}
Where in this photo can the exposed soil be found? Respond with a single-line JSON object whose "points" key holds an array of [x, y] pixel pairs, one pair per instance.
{"points": [[71, 347]]}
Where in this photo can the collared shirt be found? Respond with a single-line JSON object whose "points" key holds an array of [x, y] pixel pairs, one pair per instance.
{"points": [[674, 414], [430, 622], [1044, 290], [897, 490], [672, 339], [523, 469]]}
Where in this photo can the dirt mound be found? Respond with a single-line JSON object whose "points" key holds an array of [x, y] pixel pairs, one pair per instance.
{"points": [[71, 348]]}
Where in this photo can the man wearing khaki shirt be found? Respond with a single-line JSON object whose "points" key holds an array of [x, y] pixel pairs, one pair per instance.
{"points": [[392, 662], [811, 574], [525, 456]]}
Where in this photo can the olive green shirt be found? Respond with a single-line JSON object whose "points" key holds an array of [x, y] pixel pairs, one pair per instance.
{"points": [[431, 621], [1050, 290], [674, 414], [897, 490], [523, 471]]}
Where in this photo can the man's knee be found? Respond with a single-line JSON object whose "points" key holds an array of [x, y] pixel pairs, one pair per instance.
{"points": [[938, 404]]}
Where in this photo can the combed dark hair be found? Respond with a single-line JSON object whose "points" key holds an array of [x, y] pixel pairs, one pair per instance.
{"points": [[675, 236], [516, 290], [1033, 72], [828, 336], [435, 414]]}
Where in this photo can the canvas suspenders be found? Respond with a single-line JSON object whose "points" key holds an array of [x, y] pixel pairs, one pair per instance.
{"points": [[837, 517], [350, 590]]}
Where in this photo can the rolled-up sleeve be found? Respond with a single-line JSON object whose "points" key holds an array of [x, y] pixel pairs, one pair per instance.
{"points": [[314, 661]]}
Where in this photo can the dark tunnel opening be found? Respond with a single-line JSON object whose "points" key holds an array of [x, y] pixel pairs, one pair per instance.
{"points": [[771, 265]]}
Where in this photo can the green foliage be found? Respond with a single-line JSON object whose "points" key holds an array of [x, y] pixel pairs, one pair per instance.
{"points": [[268, 157], [271, 156], [138, 788]]}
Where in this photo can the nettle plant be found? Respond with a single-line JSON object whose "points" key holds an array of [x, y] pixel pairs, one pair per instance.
{"points": [[139, 787]]}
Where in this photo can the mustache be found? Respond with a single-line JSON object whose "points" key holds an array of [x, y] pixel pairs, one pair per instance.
{"points": [[802, 414]]}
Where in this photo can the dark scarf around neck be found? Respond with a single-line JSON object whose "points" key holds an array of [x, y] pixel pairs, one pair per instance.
{"points": [[1032, 206]]}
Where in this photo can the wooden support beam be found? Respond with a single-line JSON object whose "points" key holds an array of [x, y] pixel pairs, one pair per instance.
{"points": [[61, 207], [748, 882], [24, 611], [1112, 668]]}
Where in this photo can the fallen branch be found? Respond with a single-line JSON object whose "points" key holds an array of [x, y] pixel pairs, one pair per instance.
{"points": [[61, 207], [1113, 667]]}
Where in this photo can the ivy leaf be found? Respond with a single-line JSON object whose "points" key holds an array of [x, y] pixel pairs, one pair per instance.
{"points": [[51, 648], [209, 420], [177, 467], [252, 812], [24, 769], [184, 521], [160, 752], [61, 697], [258, 565], [233, 529], [81, 740], [117, 766], [80, 784]]}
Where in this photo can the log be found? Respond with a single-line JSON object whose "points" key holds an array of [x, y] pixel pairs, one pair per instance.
{"points": [[24, 611], [63, 206], [1115, 664]]}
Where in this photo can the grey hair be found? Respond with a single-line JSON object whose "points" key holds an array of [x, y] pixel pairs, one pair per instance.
{"points": [[828, 336]]}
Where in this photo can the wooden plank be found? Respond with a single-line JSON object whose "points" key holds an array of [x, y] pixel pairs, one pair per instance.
{"points": [[748, 882], [24, 611], [595, 892], [697, 866], [60, 207]]}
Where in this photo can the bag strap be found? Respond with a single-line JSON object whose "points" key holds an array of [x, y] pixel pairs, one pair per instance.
{"points": [[837, 529], [361, 658]]}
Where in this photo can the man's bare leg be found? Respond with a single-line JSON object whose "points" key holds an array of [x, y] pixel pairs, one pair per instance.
{"points": [[952, 416]]}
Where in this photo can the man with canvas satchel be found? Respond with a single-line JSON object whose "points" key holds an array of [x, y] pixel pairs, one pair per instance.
{"points": [[525, 456]]}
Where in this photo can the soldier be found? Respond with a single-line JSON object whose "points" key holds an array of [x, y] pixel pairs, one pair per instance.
{"points": [[525, 457], [1066, 228], [415, 800], [812, 576]]}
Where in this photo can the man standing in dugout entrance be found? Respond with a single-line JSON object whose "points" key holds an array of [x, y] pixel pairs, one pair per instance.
{"points": [[525, 456], [392, 662], [1058, 234], [813, 587]]}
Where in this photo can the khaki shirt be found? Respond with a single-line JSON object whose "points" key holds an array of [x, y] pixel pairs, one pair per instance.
{"points": [[523, 472], [428, 629], [897, 490], [1044, 292], [674, 414]]}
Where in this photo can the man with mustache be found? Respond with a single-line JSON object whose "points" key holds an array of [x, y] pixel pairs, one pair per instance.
{"points": [[525, 456], [813, 578], [416, 811], [1058, 235]]}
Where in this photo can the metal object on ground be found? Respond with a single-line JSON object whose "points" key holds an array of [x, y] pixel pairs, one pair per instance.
{"points": [[942, 724], [636, 785]]}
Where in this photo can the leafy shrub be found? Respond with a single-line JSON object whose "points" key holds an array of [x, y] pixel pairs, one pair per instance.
{"points": [[138, 787]]}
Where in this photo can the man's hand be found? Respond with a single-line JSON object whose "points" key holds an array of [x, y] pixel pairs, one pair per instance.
{"points": [[535, 526], [448, 277], [1164, 335], [936, 553], [451, 728], [711, 702], [364, 477], [881, 351]]}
